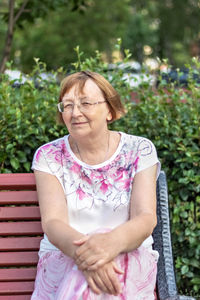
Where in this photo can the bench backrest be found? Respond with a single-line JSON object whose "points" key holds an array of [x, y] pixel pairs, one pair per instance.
{"points": [[20, 235]]}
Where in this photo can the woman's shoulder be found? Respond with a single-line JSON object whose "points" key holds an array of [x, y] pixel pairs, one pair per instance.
{"points": [[48, 156], [145, 152], [51, 150], [50, 153], [52, 145], [136, 141]]}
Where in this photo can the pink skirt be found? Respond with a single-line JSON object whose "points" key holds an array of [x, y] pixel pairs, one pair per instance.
{"points": [[59, 279]]}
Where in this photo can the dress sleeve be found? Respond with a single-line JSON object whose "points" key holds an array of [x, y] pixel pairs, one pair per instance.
{"points": [[40, 162], [147, 156]]}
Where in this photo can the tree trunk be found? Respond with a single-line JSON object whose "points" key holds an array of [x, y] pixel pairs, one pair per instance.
{"points": [[9, 37]]}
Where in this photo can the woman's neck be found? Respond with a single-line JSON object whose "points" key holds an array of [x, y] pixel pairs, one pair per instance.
{"points": [[92, 150]]}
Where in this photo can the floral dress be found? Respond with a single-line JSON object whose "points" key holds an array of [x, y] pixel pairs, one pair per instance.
{"points": [[98, 200]]}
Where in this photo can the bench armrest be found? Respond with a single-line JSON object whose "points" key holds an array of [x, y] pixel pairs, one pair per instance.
{"points": [[178, 297], [166, 281]]}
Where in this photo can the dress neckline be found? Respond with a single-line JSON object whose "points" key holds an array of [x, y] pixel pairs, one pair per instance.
{"points": [[103, 164]]}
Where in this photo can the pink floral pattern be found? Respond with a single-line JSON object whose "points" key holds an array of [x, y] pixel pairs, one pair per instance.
{"points": [[90, 188], [59, 279], [83, 182]]}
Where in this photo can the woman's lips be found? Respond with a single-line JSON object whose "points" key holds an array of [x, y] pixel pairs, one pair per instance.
{"points": [[79, 123]]}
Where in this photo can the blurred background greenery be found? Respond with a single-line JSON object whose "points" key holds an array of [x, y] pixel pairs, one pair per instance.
{"points": [[50, 29]]}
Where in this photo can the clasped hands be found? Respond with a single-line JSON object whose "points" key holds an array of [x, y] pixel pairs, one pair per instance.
{"points": [[95, 258]]}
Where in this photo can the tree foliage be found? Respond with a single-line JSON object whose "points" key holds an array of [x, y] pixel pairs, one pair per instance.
{"points": [[55, 37], [31, 10], [51, 29], [20, 11], [169, 26]]}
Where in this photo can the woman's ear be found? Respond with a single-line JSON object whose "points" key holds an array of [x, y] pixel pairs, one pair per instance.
{"points": [[109, 117]]}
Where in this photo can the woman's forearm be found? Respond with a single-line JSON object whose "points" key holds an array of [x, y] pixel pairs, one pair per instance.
{"points": [[130, 235], [62, 236], [101, 248]]}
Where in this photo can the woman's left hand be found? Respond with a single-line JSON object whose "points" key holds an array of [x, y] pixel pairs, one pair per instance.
{"points": [[95, 250], [105, 279]]}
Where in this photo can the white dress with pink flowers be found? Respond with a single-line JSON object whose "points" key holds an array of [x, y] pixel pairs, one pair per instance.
{"points": [[98, 199]]}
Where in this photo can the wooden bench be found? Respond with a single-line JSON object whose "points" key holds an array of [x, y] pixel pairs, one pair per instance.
{"points": [[21, 232]]}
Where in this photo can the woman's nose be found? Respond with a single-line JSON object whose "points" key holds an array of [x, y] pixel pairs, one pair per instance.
{"points": [[76, 110]]}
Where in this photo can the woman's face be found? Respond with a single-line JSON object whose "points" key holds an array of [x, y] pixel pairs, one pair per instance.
{"points": [[90, 122]]}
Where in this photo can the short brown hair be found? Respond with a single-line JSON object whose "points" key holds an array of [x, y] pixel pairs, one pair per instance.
{"points": [[110, 94]]}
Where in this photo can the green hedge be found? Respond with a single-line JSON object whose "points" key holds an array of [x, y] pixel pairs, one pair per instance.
{"points": [[173, 126], [169, 116]]}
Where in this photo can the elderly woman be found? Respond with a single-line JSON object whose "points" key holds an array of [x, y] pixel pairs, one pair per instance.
{"points": [[97, 197]]}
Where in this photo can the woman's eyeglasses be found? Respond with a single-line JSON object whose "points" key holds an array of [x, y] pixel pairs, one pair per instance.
{"points": [[84, 106]]}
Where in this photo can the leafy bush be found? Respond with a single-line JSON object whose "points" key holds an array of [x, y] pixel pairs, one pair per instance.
{"points": [[170, 117], [27, 120], [167, 115]]}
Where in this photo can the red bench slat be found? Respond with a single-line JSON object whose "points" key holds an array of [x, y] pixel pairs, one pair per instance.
{"points": [[19, 197], [18, 181], [18, 274], [20, 235], [15, 288], [18, 258], [20, 228], [20, 243], [15, 297], [20, 213]]}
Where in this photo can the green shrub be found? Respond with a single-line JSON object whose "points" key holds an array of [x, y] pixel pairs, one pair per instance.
{"points": [[174, 126], [167, 115], [27, 121]]}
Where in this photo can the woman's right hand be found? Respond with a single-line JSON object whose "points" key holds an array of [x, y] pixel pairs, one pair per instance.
{"points": [[104, 279]]}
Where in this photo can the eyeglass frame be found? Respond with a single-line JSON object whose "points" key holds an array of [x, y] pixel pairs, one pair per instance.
{"points": [[78, 105]]}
